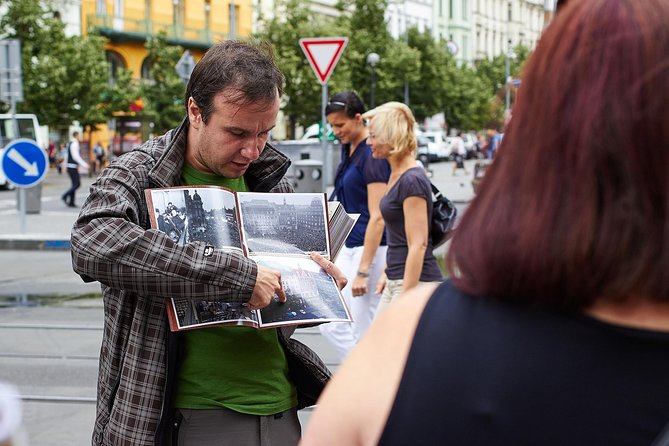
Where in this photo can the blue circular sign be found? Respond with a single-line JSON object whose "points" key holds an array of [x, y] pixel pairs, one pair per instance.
{"points": [[24, 162]]}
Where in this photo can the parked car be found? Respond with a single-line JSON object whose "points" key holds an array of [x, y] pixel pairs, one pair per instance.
{"points": [[313, 132], [438, 148], [422, 149]]}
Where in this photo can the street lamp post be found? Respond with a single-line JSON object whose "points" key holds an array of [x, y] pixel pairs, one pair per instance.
{"points": [[509, 55], [373, 59]]}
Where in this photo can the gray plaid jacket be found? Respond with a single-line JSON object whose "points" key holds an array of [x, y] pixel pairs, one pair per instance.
{"points": [[138, 267]]}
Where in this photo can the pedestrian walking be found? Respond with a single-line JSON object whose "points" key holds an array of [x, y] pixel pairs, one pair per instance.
{"points": [[460, 152], [406, 206], [100, 154], [220, 385], [73, 163], [556, 320], [359, 184]]}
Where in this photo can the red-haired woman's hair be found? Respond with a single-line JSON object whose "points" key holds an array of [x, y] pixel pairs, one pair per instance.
{"points": [[575, 206]]}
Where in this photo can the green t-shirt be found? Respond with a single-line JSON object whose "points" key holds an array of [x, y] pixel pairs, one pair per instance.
{"points": [[239, 368]]}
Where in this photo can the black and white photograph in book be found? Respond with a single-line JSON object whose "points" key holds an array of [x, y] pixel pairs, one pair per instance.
{"points": [[284, 224], [311, 293], [199, 312], [197, 215]]}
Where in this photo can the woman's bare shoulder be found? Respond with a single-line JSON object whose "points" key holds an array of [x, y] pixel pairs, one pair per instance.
{"points": [[355, 405]]}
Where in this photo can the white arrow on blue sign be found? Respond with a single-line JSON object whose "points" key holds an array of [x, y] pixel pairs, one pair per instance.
{"points": [[24, 162]]}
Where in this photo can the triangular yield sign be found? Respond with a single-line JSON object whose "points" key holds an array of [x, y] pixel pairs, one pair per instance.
{"points": [[323, 53]]}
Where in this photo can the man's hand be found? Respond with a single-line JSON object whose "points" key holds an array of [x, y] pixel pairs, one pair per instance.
{"points": [[330, 268], [268, 283], [359, 286]]}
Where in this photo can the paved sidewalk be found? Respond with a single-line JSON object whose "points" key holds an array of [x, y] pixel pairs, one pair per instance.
{"points": [[50, 228]]}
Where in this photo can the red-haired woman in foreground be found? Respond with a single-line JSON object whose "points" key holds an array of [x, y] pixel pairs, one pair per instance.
{"points": [[554, 329]]}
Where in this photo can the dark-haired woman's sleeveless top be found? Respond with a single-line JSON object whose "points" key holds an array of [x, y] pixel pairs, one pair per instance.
{"points": [[481, 372]]}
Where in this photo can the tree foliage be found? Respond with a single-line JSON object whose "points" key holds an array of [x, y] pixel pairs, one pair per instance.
{"points": [[302, 93], [64, 78], [467, 96], [164, 90]]}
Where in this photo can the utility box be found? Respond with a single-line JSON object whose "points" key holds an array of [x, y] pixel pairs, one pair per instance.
{"points": [[308, 176], [33, 199]]}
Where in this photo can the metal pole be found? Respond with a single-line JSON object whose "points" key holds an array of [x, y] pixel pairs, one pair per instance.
{"points": [[324, 138], [22, 208], [508, 77], [371, 100], [22, 191]]}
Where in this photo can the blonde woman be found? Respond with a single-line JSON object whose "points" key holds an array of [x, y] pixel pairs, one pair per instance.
{"points": [[406, 205]]}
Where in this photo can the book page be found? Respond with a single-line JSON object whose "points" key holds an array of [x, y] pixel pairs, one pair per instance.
{"points": [[197, 313], [291, 224], [312, 294], [341, 225], [203, 213]]}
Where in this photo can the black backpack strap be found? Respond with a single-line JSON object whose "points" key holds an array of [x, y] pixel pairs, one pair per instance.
{"points": [[435, 191]]}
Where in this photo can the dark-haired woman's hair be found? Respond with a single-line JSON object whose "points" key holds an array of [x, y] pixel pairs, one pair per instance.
{"points": [[248, 71], [346, 101], [575, 208]]}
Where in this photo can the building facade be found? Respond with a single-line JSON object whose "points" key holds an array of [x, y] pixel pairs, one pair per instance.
{"points": [[501, 24]]}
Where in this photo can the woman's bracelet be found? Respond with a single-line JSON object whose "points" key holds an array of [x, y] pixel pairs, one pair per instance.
{"points": [[362, 274]]}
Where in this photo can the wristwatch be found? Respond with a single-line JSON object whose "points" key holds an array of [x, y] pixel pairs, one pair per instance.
{"points": [[362, 274]]}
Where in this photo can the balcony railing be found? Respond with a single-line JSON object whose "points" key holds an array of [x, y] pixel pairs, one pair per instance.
{"points": [[124, 29]]}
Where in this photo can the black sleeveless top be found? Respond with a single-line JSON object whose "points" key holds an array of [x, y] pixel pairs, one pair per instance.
{"points": [[481, 372]]}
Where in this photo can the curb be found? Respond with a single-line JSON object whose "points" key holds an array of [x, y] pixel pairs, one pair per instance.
{"points": [[34, 245]]}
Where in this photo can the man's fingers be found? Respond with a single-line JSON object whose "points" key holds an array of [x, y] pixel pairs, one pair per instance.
{"points": [[330, 268], [281, 294]]}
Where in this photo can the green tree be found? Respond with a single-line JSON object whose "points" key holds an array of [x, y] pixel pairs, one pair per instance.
{"points": [[493, 71], [429, 91], [64, 78], [302, 93], [364, 23], [164, 90], [118, 95]]}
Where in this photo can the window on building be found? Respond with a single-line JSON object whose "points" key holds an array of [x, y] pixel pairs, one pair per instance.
{"points": [[101, 7], [465, 48], [147, 10], [233, 12], [510, 12], [178, 12], [450, 9], [118, 15], [147, 66], [116, 63], [465, 9], [207, 17]]}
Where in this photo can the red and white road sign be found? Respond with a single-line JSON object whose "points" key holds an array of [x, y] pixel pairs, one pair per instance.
{"points": [[323, 53]]}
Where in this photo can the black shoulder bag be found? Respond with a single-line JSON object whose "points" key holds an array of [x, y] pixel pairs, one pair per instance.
{"points": [[444, 214]]}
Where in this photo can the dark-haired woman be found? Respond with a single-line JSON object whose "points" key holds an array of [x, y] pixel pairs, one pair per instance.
{"points": [[554, 329], [359, 185]]}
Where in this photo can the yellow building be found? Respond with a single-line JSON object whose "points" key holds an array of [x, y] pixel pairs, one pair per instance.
{"points": [[193, 24]]}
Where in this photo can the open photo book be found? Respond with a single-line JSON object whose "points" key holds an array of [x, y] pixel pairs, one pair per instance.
{"points": [[277, 231]]}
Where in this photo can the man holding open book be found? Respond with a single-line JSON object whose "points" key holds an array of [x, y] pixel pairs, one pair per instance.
{"points": [[236, 385]]}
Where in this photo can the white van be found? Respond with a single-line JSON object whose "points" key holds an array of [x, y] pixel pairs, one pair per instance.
{"points": [[438, 146], [28, 128]]}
